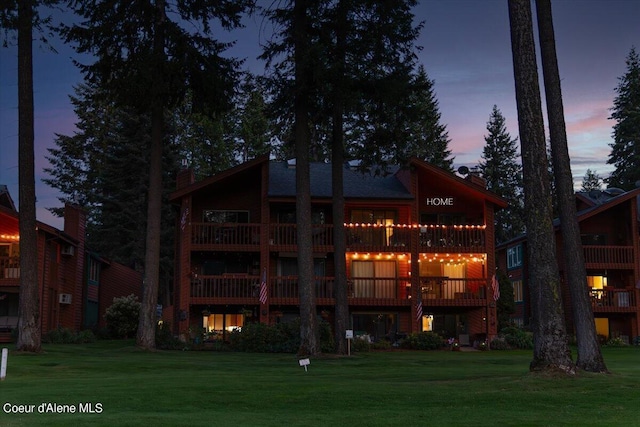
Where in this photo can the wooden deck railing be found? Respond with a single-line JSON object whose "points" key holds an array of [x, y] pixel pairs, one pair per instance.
{"points": [[359, 237], [9, 267], [609, 256], [225, 234], [613, 298], [247, 286]]}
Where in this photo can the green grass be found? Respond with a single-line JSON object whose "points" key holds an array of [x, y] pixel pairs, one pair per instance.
{"points": [[440, 388]]}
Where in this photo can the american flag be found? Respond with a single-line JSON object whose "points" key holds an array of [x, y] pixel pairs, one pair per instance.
{"points": [[263, 287], [495, 286], [419, 312]]}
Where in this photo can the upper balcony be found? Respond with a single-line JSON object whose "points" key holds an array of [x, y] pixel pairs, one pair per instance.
{"points": [[359, 237], [9, 270], [608, 257]]}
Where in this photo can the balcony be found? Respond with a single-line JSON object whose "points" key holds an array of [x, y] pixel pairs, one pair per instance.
{"points": [[9, 270], [605, 257], [231, 235], [245, 289], [613, 300], [359, 237]]}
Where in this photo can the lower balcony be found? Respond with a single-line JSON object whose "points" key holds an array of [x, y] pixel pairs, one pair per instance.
{"points": [[613, 300], [243, 288]]}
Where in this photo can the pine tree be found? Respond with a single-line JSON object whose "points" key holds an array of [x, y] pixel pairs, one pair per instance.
{"points": [[625, 149], [149, 55], [591, 181], [502, 171], [551, 351], [427, 137]]}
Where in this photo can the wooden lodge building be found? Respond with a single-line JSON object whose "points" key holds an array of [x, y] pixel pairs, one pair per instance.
{"points": [[76, 285], [609, 223], [419, 239]]}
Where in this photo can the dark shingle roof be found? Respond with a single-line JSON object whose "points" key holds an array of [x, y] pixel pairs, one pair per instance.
{"points": [[282, 182]]}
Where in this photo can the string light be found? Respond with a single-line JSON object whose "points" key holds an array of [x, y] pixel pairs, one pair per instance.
{"points": [[10, 236]]}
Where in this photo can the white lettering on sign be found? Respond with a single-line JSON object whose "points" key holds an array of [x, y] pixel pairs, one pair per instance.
{"points": [[440, 201]]}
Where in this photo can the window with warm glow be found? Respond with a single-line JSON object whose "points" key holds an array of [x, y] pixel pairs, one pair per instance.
{"points": [[222, 322], [517, 290], [427, 323]]}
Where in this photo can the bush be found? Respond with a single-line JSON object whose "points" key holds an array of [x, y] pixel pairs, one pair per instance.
{"points": [[67, 336], [517, 338], [165, 340], [278, 338], [499, 344], [360, 345], [423, 341], [382, 345], [122, 317], [616, 342]]}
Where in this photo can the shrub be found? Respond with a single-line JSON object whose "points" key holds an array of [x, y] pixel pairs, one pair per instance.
{"points": [[360, 345], [278, 338], [67, 336], [381, 345], [517, 338], [616, 342], [122, 316], [499, 344], [165, 340], [423, 341]]}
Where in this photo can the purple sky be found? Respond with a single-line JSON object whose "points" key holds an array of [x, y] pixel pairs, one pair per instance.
{"points": [[466, 50]]}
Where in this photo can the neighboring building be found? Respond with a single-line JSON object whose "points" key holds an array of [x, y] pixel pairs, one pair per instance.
{"points": [[609, 226], [76, 285], [419, 239]]}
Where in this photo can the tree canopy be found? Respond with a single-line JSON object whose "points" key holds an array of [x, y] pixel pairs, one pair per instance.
{"points": [[625, 148]]}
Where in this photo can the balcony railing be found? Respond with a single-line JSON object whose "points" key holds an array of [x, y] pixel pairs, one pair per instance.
{"points": [[9, 267], [286, 287], [225, 286], [359, 237], [619, 298], [608, 256], [452, 288], [225, 234], [287, 235]]}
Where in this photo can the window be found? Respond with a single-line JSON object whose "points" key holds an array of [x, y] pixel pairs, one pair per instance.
{"points": [[593, 239], [223, 216], [443, 219], [94, 270], [373, 216], [374, 279], [288, 216], [222, 322], [517, 290], [514, 257]]}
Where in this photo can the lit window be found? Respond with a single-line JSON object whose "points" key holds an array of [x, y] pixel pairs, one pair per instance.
{"points": [[517, 290]]}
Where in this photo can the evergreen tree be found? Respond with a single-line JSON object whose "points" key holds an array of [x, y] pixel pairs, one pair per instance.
{"points": [[427, 138], [22, 18], [500, 168], [591, 181], [551, 352], [148, 56], [625, 149], [589, 354], [252, 131]]}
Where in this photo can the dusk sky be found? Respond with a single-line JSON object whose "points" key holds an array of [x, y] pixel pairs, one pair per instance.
{"points": [[466, 50]]}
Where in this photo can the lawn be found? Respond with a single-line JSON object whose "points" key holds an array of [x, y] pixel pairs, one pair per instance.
{"points": [[129, 387]]}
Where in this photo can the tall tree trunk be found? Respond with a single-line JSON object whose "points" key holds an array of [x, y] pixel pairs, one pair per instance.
{"points": [[147, 322], [589, 354], [29, 332], [341, 322], [551, 351], [306, 282]]}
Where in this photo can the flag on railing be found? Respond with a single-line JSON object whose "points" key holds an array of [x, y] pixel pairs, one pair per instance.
{"points": [[495, 287], [419, 312], [263, 287]]}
